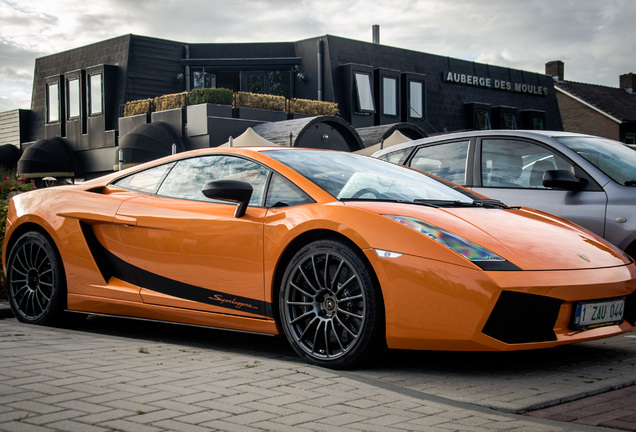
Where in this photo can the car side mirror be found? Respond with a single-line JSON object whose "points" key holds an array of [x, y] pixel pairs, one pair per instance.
{"points": [[561, 179], [230, 190]]}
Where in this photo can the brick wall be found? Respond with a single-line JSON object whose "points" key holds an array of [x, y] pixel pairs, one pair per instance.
{"points": [[578, 117]]}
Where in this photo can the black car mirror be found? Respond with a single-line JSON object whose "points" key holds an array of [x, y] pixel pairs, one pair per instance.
{"points": [[230, 190], [561, 179]]}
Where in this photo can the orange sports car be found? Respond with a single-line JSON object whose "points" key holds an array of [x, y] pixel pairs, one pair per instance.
{"points": [[342, 253]]}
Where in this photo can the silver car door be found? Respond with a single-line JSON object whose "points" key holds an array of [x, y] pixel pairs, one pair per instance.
{"points": [[512, 170]]}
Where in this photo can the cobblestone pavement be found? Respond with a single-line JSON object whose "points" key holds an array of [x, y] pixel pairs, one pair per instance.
{"points": [[126, 375], [613, 409]]}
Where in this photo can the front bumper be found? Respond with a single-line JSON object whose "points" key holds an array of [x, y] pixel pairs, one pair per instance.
{"points": [[432, 305]]}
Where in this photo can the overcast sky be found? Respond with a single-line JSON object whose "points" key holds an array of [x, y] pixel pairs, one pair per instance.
{"points": [[595, 38]]}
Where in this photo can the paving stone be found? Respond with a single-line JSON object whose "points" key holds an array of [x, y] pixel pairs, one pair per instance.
{"points": [[68, 380]]}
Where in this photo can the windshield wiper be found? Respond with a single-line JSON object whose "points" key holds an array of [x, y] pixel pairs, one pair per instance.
{"points": [[485, 203], [443, 203], [492, 203], [437, 203], [372, 199], [630, 182]]}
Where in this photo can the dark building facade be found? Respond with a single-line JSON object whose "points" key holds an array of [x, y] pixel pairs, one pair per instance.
{"points": [[78, 94]]}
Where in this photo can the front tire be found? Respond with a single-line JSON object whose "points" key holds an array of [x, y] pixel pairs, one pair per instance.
{"points": [[330, 305], [36, 285]]}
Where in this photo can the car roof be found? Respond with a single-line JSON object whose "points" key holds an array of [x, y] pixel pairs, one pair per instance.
{"points": [[519, 133]]}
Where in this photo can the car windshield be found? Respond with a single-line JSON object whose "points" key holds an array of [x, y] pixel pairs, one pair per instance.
{"points": [[614, 158], [348, 176]]}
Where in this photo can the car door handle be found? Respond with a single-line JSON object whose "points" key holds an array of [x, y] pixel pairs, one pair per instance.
{"points": [[125, 220]]}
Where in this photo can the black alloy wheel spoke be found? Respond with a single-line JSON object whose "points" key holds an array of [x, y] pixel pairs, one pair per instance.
{"points": [[32, 280], [325, 305]]}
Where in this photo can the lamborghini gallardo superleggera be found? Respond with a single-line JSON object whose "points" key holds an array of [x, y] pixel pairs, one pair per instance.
{"points": [[342, 253]]}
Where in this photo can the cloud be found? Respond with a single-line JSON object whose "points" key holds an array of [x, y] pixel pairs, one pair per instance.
{"points": [[593, 38], [16, 76]]}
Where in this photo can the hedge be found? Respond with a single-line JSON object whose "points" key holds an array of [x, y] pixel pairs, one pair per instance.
{"points": [[9, 186], [313, 107], [228, 97], [221, 96]]}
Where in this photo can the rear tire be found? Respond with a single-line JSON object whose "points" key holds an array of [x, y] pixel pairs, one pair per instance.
{"points": [[330, 305], [36, 285]]}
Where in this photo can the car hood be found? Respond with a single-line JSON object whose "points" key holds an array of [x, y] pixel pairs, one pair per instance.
{"points": [[530, 239]]}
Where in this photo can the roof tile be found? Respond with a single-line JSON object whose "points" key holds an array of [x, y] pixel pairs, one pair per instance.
{"points": [[614, 101]]}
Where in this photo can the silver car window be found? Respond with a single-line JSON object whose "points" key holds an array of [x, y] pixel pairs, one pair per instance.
{"points": [[615, 159], [447, 160], [395, 156], [517, 164]]}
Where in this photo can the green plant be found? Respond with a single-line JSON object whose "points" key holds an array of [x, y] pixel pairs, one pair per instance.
{"points": [[220, 96], [9, 186]]}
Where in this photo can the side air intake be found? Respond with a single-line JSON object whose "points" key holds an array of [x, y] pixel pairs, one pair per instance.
{"points": [[523, 318]]}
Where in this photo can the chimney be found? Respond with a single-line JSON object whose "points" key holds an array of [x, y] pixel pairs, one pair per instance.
{"points": [[376, 33], [556, 69], [627, 82]]}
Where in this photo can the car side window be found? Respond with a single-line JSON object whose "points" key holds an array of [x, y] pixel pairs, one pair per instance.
{"points": [[396, 156], [283, 193], [146, 181], [517, 164], [446, 160], [188, 177]]}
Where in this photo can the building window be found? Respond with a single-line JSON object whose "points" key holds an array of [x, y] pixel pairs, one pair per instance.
{"points": [[210, 78], [478, 116], [416, 99], [276, 82], [509, 120], [482, 118], [203, 79], [74, 98], [95, 94], [533, 119], [255, 83], [53, 103], [279, 83], [538, 123], [630, 138], [364, 95], [504, 117], [389, 96]]}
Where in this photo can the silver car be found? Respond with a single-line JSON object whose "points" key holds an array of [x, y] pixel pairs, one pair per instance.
{"points": [[586, 179]]}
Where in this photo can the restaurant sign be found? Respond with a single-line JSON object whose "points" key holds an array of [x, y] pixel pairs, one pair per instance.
{"points": [[486, 82]]}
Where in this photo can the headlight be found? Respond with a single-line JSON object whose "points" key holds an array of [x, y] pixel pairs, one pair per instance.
{"points": [[474, 253]]}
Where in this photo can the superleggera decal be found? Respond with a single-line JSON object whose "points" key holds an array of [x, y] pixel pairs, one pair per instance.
{"points": [[112, 266], [237, 304]]}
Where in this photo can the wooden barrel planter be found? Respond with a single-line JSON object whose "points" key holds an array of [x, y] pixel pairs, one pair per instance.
{"points": [[375, 134], [324, 132]]}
